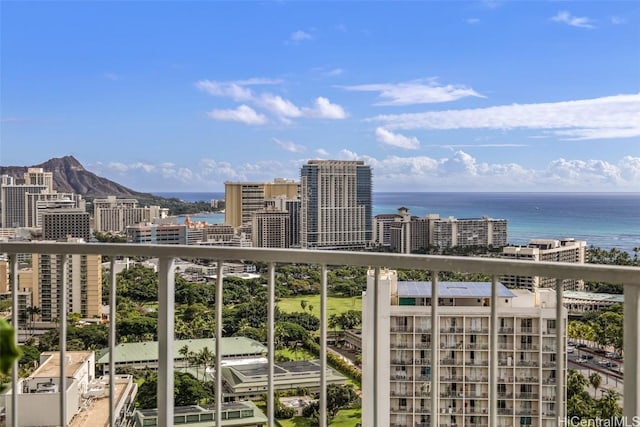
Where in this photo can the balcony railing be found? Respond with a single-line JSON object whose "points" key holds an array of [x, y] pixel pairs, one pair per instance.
{"points": [[167, 254]]}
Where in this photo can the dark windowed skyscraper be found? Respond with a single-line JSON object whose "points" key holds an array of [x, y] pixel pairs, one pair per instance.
{"points": [[336, 204]]}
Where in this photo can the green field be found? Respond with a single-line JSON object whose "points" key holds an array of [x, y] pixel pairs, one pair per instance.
{"points": [[345, 418], [335, 305]]}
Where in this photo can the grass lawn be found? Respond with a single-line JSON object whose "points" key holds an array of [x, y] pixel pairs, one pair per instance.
{"points": [[299, 354], [335, 305], [345, 418]]}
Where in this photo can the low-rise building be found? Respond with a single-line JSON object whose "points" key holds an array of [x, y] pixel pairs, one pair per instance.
{"points": [[234, 414], [250, 381], [87, 397], [142, 355]]}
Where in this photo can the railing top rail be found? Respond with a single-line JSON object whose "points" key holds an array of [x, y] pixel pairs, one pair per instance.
{"points": [[473, 264]]}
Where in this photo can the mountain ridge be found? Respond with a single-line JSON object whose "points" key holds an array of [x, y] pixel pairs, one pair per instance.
{"points": [[70, 176]]}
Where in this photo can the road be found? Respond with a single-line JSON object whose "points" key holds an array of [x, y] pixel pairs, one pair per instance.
{"points": [[611, 379]]}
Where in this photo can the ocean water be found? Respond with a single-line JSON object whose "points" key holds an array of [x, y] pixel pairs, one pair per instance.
{"points": [[610, 220]]}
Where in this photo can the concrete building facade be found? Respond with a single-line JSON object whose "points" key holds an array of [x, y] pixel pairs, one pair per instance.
{"points": [[115, 215], [87, 396], [336, 205], [63, 223], [84, 284], [244, 198], [270, 229], [526, 354], [565, 250], [174, 234]]}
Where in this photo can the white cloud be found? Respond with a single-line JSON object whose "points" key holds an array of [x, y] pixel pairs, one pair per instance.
{"points": [[422, 91], [278, 106], [472, 20], [299, 36], [478, 145], [575, 21], [396, 140], [242, 114], [281, 108], [289, 146], [324, 109], [334, 72], [458, 172], [232, 90], [321, 152], [461, 171], [599, 118]]}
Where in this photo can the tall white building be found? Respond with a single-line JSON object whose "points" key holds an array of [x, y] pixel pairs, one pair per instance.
{"points": [[115, 215], [23, 201], [565, 250], [336, 204], [526, 354]]}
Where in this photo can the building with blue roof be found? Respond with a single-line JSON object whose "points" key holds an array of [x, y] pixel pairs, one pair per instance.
{"points": [[406, 339]]}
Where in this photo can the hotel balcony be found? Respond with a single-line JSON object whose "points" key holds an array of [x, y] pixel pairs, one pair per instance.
{"points": [[553, 408]]}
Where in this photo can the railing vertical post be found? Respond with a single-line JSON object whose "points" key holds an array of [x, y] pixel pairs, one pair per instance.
{"points": [[631, 351], [112, 342], [493, 357], [376, 343], [435, 350], [15, 320], [62, 304], [166, 310], [271, 308], [218, 371], [562, 355], [323, 346]]}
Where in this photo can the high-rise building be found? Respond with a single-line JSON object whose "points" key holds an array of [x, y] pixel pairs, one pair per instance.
{"points": [[270, 228], [565, 250], [37, 176], [244, 198], [381, 235], [336, 205], [292, 207], [84, 284], [485, 231], [526, 376], [408, 233], [23, 201], [115, 215], [62, 223], [13, 202]]}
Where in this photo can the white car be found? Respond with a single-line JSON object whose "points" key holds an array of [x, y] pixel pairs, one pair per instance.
{"points": [[570, 349], [581, 360]]}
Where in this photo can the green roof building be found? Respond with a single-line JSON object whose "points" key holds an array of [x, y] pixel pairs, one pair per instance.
{"points": [[234, 414], [141, 355]]}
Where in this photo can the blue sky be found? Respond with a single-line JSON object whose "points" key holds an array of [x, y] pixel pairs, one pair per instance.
{"points": [[436, 96]]}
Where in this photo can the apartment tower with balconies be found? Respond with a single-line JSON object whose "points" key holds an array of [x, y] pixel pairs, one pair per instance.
{"points": [[336, 205], [527, 339]]}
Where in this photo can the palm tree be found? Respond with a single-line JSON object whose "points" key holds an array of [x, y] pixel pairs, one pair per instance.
{"points": [[31, 311], [184, 352], [595, 379], [608, 405], [206, 358]]}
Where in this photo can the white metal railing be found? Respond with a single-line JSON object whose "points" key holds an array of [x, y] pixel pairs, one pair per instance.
{"points": [[628, 276]]}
